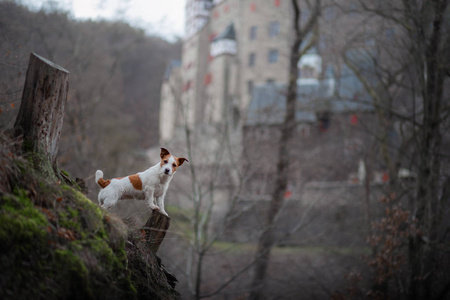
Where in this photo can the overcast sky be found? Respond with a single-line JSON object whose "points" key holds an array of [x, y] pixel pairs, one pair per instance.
{"points": [[162, 17]]}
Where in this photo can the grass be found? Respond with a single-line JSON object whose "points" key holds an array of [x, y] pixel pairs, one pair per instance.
{"points": [[182, 226], [249, 248]]}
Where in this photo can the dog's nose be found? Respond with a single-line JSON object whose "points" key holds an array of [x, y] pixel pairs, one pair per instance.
{"points": [[166, 171]]}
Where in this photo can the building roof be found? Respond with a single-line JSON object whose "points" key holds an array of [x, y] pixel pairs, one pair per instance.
{"points": [[173, 64], [268, 103], [228, 34]]}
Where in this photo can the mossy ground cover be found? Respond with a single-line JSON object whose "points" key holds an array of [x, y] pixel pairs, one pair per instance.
{"points": [[65, 246], [57, 244]]}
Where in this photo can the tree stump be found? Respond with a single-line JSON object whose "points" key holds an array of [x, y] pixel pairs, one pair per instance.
{"points": [[155, 230], [40, 118]]}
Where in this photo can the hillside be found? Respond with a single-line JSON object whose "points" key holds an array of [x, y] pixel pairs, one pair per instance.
{"points": [[57, 244], [115, 77]]}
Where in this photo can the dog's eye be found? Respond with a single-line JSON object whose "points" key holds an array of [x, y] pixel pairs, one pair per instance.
{"points": [[166, 161], [174, 165]]}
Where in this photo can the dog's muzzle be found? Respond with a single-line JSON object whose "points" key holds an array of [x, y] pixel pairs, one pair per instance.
{"points": [[166, 171]]}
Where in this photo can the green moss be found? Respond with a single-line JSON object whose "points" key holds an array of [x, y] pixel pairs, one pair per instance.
{"points": [[82, 201], [83, 211], [24, 219], [23, 239], [67, 221], [74, 269], [102, 250], [73, 212], [39, 258], [39, 161], [19, 229], [19, 219], [66, 178]]}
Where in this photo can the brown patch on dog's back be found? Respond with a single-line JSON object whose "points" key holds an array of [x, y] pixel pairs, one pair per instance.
{"points": [[136, 181], [103, 183]]}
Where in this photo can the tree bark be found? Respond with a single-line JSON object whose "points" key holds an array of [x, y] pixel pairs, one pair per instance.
{"points": [[40, 118], [155, 230], [267, 239], [428, 209]]}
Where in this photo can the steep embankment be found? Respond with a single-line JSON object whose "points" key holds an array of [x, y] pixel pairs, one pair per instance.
{"points": [[57, 244]]}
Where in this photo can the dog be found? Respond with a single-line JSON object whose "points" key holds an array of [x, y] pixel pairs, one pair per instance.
{"points": [[150, 185]]}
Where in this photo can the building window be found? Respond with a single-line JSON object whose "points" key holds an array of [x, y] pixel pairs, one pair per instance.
{"points": [[354, 119], [212, 36], [187, 85], [208, 78], [251, 59], [274, 28], [253, 32], [307, 72], [273, 56], [250, 87]]}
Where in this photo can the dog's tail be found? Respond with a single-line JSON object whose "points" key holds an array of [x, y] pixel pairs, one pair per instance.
{"points": [[100, 181], [98, 175]]}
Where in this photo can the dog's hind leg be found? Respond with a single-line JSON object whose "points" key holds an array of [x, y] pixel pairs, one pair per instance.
{"points": [[101, 198]]}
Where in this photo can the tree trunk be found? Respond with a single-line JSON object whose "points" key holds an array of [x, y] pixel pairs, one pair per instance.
{"points": [[155, 230], [41, 113], [266, 241], [428, 209]]}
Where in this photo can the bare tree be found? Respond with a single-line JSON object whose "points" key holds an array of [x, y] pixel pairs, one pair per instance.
{"points": [[410, 97], [206, 179], [267, 239]]}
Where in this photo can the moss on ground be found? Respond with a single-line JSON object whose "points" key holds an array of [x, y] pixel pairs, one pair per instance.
{"points": [[57, 244], [51, 253]]}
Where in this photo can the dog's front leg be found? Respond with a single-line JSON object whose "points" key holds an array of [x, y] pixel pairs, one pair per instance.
{"points": [[160, 201], [150, 197]]}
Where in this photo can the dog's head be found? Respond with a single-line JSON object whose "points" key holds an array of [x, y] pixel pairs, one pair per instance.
{"points": [[170, 163]]}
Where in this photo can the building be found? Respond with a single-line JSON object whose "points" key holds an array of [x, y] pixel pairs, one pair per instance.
{"points": [[232, 77], [230, 46]]}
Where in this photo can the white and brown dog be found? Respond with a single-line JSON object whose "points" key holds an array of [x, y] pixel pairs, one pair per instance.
{"points": [[150, 185]]}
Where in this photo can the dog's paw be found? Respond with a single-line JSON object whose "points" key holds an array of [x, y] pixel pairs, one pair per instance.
{"points": [[154, 207]]}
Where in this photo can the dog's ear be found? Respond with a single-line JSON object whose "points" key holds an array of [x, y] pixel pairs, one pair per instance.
{"points": [[164, 152], [181, 160]]}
